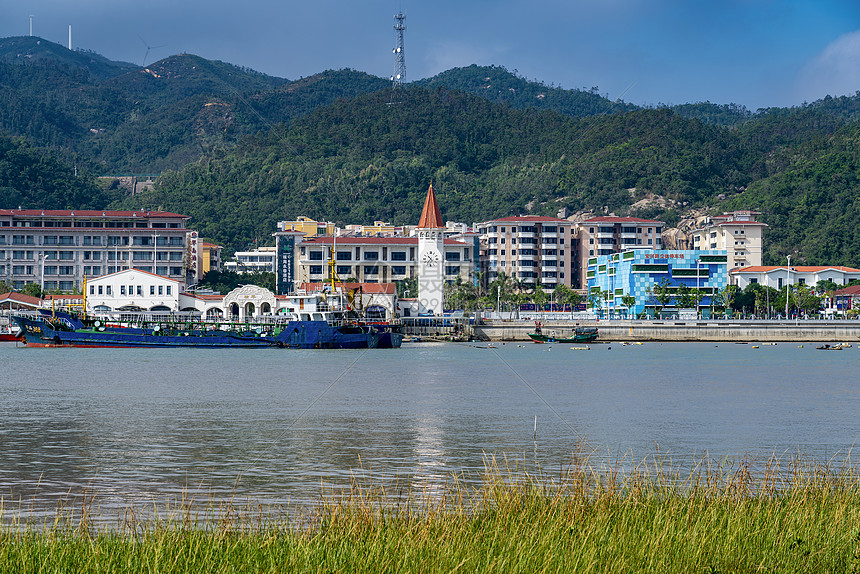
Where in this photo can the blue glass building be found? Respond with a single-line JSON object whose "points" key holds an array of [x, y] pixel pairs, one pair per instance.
{"points": [[634, 273]]}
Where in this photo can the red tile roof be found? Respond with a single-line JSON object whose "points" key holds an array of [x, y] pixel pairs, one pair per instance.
{"points": [[431, 217], [737, 223], [88, 213], [528, 219], [612, 219], [794, 268], [205, 296], [13, 297], [852, 290], [139, 271]]}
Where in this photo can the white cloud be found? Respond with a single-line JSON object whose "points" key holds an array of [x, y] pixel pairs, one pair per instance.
{"points": [[835, 72]]}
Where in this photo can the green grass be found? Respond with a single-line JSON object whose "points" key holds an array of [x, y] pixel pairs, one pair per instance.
{"points": [[797, 517]]}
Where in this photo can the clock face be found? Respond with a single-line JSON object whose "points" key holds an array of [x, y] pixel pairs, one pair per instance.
{"points": [[431, 257]]}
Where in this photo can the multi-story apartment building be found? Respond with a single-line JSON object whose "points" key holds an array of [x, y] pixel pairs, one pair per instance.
{"points": [[609, 234], [737, 232], [531, 248], [376, 259], [58, 248]]}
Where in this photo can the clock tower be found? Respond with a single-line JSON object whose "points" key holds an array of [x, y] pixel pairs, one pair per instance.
{"points": [[431, 255]]}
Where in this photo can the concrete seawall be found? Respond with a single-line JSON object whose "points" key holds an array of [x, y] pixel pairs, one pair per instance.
{"points": [[802, 331]]}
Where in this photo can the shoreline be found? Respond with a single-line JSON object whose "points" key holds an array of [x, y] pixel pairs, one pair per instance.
{"points": [[681, 331]]}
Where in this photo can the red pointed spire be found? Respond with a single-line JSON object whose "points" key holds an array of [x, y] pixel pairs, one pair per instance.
{"points": [[431, 217]]}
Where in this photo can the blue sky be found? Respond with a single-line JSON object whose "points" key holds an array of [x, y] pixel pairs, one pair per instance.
{"points": [[758, 53]]}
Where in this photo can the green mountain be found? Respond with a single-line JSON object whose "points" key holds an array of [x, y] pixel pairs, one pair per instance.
{"points": [[242, 150], [497, 84], [364, 159], [34, 51]]}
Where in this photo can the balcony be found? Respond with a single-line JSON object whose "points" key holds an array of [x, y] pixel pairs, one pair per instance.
{"points": [[525, 234], [549, 234], [549, 266]]}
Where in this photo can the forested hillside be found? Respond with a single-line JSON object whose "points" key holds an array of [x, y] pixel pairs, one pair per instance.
{"points": [[35, 178], [241, 150], [364, 159]]}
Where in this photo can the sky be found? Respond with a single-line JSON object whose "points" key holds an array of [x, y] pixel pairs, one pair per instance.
{"points": [[756, 53]]}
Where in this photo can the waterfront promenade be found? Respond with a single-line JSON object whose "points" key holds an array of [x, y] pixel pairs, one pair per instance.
{"points": [[733, 330]]}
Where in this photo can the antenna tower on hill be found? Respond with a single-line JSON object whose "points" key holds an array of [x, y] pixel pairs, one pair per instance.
{"points": [[399, 51]]}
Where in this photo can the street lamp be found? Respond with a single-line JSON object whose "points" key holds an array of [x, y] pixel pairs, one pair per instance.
{"points": [[787, 282]]}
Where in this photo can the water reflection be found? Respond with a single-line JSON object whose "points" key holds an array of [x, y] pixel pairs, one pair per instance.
{"points": [[138, 426]]}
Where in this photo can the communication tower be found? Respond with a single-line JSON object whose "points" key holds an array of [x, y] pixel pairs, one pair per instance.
{"points": [[399, 52]]}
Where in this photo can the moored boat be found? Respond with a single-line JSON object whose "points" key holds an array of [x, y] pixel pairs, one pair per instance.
{"points": [[579, 335], [59, 329], [10, 333]]}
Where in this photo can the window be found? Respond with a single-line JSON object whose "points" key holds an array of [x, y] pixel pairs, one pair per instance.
{"points": [[371, 270], [67, 255], [122, 289], [371, 255], [67, 240], [315, 256], [176, 270], [344, 255], [753, 279], [161, 289], [101, 289], [344, 270], [175, 242], [452, 256], [66, 270], [152, 289], [398, 270], [168, 289], [316, 269], [175, 256], [398, 256], [140, 290], [108, 290], [47, 240], [452, 270]]}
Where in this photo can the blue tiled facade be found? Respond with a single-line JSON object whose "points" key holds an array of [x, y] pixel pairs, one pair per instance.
{"points": [[634, 272]]}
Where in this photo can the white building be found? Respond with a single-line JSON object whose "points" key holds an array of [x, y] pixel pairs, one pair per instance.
{"points": [[260, 259], [778, 276], [737, 232], [133, 291]]}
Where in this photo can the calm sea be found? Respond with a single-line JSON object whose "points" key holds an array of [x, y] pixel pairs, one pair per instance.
{"points": [[137, 426]]}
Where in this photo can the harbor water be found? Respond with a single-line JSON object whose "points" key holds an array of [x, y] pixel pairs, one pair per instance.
{"points": [[281, 427]]}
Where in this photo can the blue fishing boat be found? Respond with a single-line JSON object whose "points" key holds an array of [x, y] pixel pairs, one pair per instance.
{"points": [[60, 329]]}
